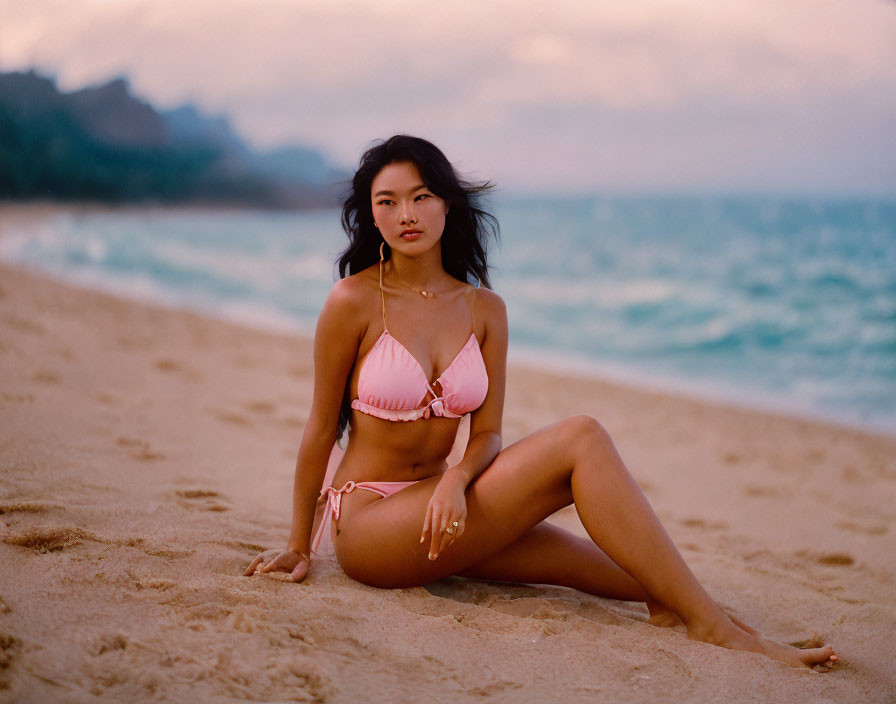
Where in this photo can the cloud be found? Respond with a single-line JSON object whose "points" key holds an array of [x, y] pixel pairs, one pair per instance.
{"points": [[563, 95]]}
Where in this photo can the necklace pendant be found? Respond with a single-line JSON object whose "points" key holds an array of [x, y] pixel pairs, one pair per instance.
{"points": [[425, 293]]}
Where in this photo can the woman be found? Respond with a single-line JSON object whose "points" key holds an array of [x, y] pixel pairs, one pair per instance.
{"points": [[404, 347]]}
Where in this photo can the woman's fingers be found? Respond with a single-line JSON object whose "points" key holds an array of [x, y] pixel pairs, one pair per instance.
{"points": [[446, 536], [426, 524], [436, 524], [250, 570], [447, 539], [435, 539], [300, 571], [278, 563]]}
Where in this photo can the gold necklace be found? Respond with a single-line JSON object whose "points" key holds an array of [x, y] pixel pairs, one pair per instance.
{"points": [[422, 291]]}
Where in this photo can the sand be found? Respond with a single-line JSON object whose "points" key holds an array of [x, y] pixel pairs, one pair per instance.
{"points": [[146, 455]]}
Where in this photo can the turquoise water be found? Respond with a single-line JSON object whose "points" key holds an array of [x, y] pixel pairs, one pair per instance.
{"points": [[788, 304]]}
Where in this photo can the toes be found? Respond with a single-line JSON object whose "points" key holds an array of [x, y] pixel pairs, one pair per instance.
{"points": [[819, 656]]}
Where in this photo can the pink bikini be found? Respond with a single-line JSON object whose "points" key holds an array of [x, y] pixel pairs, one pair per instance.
{"points": [[393, 386]]}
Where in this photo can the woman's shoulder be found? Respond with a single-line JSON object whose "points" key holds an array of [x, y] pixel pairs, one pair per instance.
{"points": [[354, 289], [490, 302], [489, 308], [353, 295]]}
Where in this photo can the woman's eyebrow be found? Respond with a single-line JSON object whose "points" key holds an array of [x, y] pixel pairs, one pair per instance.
{"points": [[392, 193]]}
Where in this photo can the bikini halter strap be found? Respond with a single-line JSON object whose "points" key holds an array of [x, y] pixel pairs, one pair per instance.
{"points": [[382, 293]]}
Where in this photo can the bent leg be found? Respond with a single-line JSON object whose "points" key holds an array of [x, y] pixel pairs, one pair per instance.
{"points": [[548, 554]]}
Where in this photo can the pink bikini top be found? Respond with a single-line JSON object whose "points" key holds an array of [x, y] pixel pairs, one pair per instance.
{"points": [[392, 384]]}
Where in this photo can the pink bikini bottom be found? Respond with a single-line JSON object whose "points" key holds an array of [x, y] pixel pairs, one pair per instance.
{"points": [[334, 501]]}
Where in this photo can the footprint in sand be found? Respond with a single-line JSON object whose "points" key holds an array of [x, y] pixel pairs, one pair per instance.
{"points": [[867, 529], [24, 325], [495, 688], [762, 492], [154, 583], [853, 476], [107, 398], [835, 558], [140, 449], [253, 548], [202, 499], [167, 365], [700, 523], [26, 507], [45, 377], [293, 422], [19, 399], [45, 539], [8, 643], [233, 419], [170, 366]]}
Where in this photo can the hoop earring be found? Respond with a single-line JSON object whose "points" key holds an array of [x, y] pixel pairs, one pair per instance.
{"points": [[382, 244]]}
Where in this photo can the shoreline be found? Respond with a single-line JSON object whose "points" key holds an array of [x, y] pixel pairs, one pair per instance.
{"points": [[147, 454], [531, 358]]}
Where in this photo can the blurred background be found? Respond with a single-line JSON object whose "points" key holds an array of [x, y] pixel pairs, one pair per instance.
{"points": [[694, 196]]}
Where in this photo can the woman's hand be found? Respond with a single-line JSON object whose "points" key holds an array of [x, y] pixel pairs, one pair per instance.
{"points": [[446, 513], [276, 560]]}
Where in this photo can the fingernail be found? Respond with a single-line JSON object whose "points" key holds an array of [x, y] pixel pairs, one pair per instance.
{"points": [[421, 538], [431, 556]]}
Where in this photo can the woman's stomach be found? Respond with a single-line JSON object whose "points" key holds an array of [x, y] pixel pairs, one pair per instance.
{"points": [[397, 451]]}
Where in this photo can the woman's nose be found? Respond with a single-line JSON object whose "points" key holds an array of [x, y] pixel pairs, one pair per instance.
{"points": [[407, 214]]}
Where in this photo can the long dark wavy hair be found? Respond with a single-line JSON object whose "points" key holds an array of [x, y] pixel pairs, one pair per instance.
{"points": [[468, 226]]}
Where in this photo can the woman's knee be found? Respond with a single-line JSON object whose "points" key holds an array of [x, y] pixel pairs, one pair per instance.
{"points": [[586, 434]]}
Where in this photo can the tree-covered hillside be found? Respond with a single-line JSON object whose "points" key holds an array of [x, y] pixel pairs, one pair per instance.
{"points": [[103, 144]]}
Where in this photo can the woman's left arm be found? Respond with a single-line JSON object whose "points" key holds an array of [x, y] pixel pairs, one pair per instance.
{"points": [[448, 503]]}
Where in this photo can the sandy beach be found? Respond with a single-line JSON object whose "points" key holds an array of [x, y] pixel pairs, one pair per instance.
{"points": [[147, 454]]}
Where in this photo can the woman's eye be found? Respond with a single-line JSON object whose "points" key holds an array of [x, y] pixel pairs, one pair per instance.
{"points": [[422, 196], [385, 201]]}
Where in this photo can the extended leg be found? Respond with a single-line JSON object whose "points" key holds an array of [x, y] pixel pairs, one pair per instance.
{"points": [[548, 554], [571, 460]]}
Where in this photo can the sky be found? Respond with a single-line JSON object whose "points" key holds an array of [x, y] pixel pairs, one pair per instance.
{"points": [[744, 96]]}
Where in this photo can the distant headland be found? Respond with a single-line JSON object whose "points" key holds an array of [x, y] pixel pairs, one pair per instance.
{"points": [[102, 144]]}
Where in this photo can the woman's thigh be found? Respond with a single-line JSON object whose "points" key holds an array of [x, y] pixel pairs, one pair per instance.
{"points": [[378, 541]]}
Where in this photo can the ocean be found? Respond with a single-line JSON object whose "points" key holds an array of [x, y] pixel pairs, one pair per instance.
{"points": [[780, 304]]}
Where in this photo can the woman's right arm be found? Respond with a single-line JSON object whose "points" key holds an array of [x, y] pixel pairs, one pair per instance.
{"points": [[340, 329]]}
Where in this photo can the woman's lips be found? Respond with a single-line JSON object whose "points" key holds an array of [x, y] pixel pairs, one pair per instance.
{"points": [[411, 234]]}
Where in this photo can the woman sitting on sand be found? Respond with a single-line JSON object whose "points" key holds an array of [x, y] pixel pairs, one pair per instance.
{"points": [[405, 346]]}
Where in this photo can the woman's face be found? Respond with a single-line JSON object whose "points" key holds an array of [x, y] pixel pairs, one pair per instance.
{"points": [[409, 216]]}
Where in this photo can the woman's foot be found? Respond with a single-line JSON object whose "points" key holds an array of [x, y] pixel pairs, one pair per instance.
{"points": [[735, 636], [665, 617], [740, 636]]}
